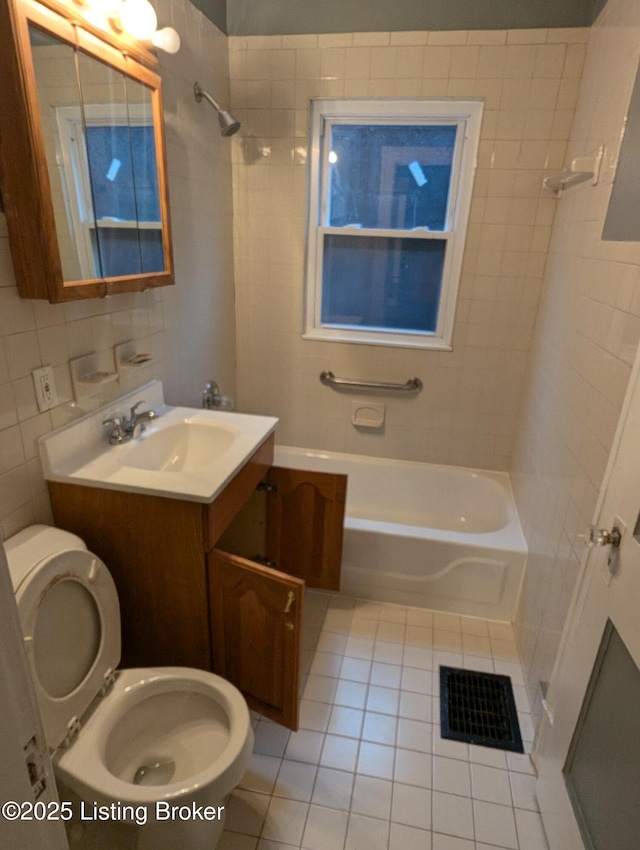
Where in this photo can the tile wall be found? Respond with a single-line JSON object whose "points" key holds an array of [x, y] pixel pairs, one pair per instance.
{"points": [[584, 346], [467, 412], [189, 329]]}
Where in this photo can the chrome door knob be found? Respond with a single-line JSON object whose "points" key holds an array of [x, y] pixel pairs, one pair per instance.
{"points": [[603, 537]]}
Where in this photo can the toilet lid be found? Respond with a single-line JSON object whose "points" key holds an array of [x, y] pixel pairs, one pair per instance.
{"points": [[70, 616]]}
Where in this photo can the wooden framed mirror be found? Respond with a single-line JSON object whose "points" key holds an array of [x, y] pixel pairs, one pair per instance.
{"points": [[82, 156]]}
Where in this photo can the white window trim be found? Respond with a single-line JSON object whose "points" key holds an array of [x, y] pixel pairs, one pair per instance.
{"points": [[324, 114]]}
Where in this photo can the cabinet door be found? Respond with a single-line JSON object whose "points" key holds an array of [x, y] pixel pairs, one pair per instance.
{"points": [[256, 633], [305, 523]]}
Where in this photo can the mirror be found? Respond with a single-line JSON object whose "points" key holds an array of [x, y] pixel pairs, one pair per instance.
{"points": [[94, 172], [621, 222]]}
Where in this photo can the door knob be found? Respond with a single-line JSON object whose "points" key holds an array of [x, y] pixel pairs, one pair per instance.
{"points": [[603, 537]]}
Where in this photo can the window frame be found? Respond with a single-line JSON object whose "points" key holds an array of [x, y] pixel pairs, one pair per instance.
{"points": [[324, 114]]}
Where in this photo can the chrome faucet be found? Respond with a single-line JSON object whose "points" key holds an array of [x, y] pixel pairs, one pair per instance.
{"points": [[210, 395], [125, 428], [212, 399]]}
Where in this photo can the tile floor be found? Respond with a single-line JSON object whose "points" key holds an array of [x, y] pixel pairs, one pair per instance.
{"points": [[368, 769]]}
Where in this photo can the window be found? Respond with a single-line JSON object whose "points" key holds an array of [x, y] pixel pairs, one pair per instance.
{"points": [[111, 187], [390, 191]]}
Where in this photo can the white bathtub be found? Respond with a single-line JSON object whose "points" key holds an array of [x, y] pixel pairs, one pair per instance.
{"points": [[439, 537]]}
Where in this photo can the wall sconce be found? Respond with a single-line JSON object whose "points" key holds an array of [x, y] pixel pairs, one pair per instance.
{"points": [[138, 18]]}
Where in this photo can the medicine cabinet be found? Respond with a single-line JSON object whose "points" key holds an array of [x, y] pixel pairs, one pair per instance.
{"points": [[82, 159]]}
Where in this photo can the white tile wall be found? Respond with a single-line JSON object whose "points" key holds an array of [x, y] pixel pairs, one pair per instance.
{"points": [[467, 412], [189, 329], [585, 342]]}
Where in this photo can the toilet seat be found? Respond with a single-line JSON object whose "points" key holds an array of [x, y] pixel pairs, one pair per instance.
{"points": [[70, 617]]}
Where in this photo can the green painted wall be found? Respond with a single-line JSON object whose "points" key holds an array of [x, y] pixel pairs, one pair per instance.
{"points": [[596, 7], [215, 10], [279, 17]]}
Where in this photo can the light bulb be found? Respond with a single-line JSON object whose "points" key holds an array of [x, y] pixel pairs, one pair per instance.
{"points": [[105, 7], [138, 17], [166, 39], [333, 157]]}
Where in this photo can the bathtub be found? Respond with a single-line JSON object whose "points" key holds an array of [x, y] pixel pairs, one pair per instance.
{"points": [[431, 536]]}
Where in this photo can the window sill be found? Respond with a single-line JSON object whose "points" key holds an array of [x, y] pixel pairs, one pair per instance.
{"points": [[430, 343]]}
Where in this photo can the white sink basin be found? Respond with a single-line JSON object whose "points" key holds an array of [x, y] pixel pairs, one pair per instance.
{"points": [[185, 452], [183, 447]]}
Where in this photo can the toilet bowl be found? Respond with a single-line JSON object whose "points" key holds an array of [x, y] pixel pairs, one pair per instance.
{"points": [[155, 751]]}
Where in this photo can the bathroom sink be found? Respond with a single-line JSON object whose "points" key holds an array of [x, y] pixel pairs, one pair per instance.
{"points": [[184, 447], [184, 452]]}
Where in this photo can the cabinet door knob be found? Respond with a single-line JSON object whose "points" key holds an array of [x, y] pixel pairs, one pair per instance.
{"points": [[291, 598]]}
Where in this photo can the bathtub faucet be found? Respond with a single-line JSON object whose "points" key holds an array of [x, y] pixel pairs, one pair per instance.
{"points": [[212, 399]]}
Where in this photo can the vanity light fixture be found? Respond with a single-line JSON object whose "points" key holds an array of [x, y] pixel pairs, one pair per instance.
{"points": [[136, 17], [104, 7], [166, 39]]}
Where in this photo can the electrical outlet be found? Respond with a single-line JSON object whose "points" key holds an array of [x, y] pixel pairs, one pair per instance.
{"points": [[45, 387]]}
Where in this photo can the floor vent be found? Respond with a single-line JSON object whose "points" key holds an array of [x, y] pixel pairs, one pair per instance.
{"points": [[479, 708]]}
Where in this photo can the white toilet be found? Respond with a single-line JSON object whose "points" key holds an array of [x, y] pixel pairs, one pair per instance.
{"points": [[156, 750]]}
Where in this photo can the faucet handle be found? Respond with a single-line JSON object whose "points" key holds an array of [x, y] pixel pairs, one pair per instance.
{"points": [[117, 433], [226, 402], [132, 412], [210, 394], [212, 399]]}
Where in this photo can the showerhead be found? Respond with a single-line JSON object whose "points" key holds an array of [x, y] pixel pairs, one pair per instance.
{"points": [[228, 124]]}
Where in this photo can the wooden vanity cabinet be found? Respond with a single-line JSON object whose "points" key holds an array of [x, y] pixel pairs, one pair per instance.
{"points": [[185, 602], [295, 527]]}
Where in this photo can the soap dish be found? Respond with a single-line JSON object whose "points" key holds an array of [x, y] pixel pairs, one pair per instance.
{"points": [[128, 357], [90, 373], [97, 378], [367, 414]]}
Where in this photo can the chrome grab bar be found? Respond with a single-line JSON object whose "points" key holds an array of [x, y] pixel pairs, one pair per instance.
{"points": [[413, 385]]}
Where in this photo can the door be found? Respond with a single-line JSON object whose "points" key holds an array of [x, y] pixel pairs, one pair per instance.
{"points": [[26, 776], [588, 747], [256, 633], [305, 524]]}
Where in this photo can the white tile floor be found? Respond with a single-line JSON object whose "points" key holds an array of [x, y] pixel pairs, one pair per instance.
{"points": [[368, 769]]}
